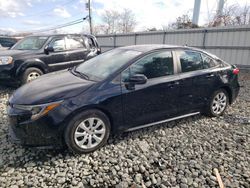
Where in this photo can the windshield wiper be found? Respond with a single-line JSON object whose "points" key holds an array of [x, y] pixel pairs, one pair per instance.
{"points": [[80, 73]]}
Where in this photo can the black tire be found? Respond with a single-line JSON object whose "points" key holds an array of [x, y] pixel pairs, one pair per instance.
{"points": [[29, 71], [209, 109], [73, 126]]}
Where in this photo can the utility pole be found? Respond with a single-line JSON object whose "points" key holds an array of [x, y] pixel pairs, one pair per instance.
{"points": [[90, 19], [220, 8], [196, 12]]}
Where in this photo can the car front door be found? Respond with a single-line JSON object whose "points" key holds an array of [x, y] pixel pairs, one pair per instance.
{"points": [[56, 57], [156, 99], [77, 51]]}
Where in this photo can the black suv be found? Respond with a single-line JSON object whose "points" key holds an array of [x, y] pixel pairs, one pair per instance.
{"points": [[36, 55]]}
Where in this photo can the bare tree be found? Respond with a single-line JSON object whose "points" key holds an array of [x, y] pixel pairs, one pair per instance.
{"points": [[111, 19], [232, 15], [182, 22], [118, 22], [127, 21]]}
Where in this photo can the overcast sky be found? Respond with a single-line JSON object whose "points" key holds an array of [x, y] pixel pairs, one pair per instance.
{"points": [[27, 15]]}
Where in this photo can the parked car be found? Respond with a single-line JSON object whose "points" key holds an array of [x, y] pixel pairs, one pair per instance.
{"points": [[36, 55], [7, 42], [120, 90]]}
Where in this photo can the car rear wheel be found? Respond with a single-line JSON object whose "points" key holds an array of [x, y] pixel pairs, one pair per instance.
{"points": [[87, 132], [31, 74], [218, 103]]}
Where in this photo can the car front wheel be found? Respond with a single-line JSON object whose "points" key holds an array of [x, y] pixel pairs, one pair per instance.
{"points": [[87, 131], [218, 103]]}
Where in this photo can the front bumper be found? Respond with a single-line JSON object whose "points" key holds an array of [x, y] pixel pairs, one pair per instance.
{"points": [[44, 132], [7, 75]]}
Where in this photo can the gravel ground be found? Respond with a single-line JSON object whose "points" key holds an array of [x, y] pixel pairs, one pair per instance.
{"points": [[177, 154]]}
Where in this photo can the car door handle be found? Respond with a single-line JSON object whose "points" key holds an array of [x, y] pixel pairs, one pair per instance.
{"points": [[210, 75]]}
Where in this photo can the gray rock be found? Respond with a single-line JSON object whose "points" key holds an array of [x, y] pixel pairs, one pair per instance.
{"points": [[148, 184], [142, 168], [184, 180], [14, 186], [195, 184], [122, 185], [144, 146], [61, 180], [138, 178], [183, 185], [153, 180], [189, 181], [74, 182], [92, 182]]}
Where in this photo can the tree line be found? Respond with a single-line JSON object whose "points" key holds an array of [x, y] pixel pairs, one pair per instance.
{"points": [[125, 21]]}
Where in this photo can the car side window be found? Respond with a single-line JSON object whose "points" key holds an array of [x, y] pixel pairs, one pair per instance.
{"points": [[58, 44], [152, 66], [208, 62], [190, 61], [75, 43]]}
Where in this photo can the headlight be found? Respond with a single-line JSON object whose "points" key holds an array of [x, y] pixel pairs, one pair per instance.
{"points": [[38, 110], [4, 60]]}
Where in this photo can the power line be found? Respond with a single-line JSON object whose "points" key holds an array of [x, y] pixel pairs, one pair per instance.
{"points": [[60, 26], [61, 21]]}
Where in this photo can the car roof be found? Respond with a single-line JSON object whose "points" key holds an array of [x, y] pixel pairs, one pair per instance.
{"points": [[150, 47], [55, 35]]}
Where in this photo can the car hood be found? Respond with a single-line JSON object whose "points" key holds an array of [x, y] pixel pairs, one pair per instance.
{"points": [[50, 88], [16, 53]]}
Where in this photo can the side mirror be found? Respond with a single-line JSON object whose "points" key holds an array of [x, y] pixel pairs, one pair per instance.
{"points": [[48, 49], [138, 79]]}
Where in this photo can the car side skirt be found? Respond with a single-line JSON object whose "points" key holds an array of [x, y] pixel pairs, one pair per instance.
{"points": [[162, 121]]}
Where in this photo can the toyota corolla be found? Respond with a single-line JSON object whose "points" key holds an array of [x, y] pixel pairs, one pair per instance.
{"points": [[121, 90]]}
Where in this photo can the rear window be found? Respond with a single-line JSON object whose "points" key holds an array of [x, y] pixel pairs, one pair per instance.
{"points": [[209, 62], [75, 43], [190, 61]]}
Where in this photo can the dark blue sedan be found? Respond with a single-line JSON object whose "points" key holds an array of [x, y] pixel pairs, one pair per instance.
{"points": [[121, 90]]}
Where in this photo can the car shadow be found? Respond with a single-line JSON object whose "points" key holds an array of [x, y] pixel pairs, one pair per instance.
{"points": [[140, 133]]}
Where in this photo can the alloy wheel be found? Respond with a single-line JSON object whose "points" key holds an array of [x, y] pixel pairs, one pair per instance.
{"points": [[89, 133], [32, 76], [219, 103]]}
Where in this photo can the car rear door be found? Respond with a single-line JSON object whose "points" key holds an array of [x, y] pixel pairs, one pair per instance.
{"points": [[156, 99], [196, 81], [77, 51]]}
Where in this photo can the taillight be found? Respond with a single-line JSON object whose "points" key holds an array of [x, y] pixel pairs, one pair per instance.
{"points": [[236, 71]]}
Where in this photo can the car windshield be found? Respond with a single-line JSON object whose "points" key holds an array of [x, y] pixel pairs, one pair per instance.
{"points": [[31, 43], [102, 66]]}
